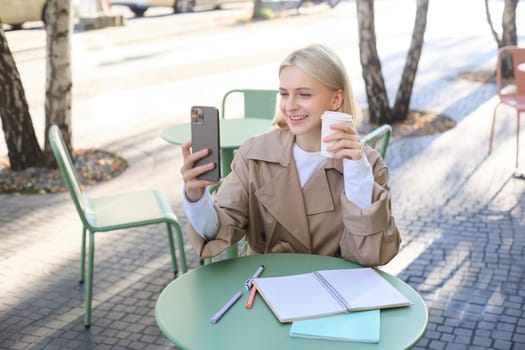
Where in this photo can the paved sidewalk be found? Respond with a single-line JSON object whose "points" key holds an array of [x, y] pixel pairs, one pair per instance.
{"points": [[461, 213]]}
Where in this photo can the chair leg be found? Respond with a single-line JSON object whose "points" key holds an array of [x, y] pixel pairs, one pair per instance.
{"points": [[83, 255], [518, 139], [180, 244], [172, 251], [89, 287], [492, 128]]}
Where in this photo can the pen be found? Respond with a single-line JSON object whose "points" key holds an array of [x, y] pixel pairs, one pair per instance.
{"points": [[225, 308], [248, 282], [251, 298]]}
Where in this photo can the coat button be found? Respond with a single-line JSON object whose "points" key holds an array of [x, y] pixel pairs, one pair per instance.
{"points": [[263, 236]]}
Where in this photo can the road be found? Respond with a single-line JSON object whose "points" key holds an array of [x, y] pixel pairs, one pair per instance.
{"points": [[152, 70], [148, 73]]}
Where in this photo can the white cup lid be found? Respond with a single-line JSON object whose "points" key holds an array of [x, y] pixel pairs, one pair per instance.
{"points": [[336, 116]]}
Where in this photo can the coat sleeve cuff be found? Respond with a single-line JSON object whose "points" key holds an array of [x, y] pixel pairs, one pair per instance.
{"points": [[374, 218]]}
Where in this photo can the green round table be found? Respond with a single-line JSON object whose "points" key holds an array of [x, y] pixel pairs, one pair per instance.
{"points": [[184, 308]]}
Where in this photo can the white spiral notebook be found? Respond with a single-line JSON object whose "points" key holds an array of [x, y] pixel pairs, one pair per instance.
{"points": [[328, 292]]}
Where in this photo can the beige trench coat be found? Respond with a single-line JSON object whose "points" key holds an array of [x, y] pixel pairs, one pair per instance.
{"points": [[261, 200]]}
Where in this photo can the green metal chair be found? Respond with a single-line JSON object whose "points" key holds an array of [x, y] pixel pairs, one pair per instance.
{"points": [[113, 212], [258, 103], [379, 138]]}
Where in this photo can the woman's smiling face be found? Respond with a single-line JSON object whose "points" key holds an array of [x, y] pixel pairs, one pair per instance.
{"points": [[303, 101]]}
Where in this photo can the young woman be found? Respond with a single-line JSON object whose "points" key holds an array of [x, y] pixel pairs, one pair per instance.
{"points": [[282, 194]]}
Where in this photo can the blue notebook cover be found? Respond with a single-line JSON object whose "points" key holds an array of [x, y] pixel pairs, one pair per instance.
{"points": [[357, 326]]}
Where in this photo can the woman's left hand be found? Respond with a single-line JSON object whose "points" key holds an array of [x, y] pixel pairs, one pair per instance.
{"points": [[347, 141]]}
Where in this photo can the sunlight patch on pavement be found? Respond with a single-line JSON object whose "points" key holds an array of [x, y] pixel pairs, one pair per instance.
{"points": [[450, 271], [410, 252]]}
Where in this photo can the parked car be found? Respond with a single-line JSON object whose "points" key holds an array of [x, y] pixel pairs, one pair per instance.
{"points": [[138, 7], [17, 12]]}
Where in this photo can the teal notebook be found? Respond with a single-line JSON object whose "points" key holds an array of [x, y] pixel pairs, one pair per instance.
{"points": [[357, 326]]}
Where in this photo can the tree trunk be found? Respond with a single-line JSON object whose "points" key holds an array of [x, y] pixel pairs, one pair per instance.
{"points": [[491, 24], [508, 23], [58, 68], [378, 106], [404, 92], [22, 145], [509, 35], [509, 32], [257, 9]]}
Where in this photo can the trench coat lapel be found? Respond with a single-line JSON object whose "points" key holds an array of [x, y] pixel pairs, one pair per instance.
{"points": [[283, 198], [282, 195], [317, 195]]}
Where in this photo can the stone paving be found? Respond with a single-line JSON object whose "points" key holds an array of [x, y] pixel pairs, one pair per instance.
{"points": [[461, 214]]}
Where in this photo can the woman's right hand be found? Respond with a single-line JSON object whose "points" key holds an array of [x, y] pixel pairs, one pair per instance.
{"points": [[194, 188]]}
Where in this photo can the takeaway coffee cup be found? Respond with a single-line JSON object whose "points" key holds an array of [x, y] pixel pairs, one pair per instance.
{"points": [[328, 118]]}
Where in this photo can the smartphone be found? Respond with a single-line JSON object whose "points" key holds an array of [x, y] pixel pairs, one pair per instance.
{"points": [[205, 134]]}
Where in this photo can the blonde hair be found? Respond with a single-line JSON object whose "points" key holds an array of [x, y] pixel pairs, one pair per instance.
{"points": [[322, 64]]}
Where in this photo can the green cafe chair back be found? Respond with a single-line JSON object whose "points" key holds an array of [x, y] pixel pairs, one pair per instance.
{"points": [[258, 103], [113, 212], [379, 138]]}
